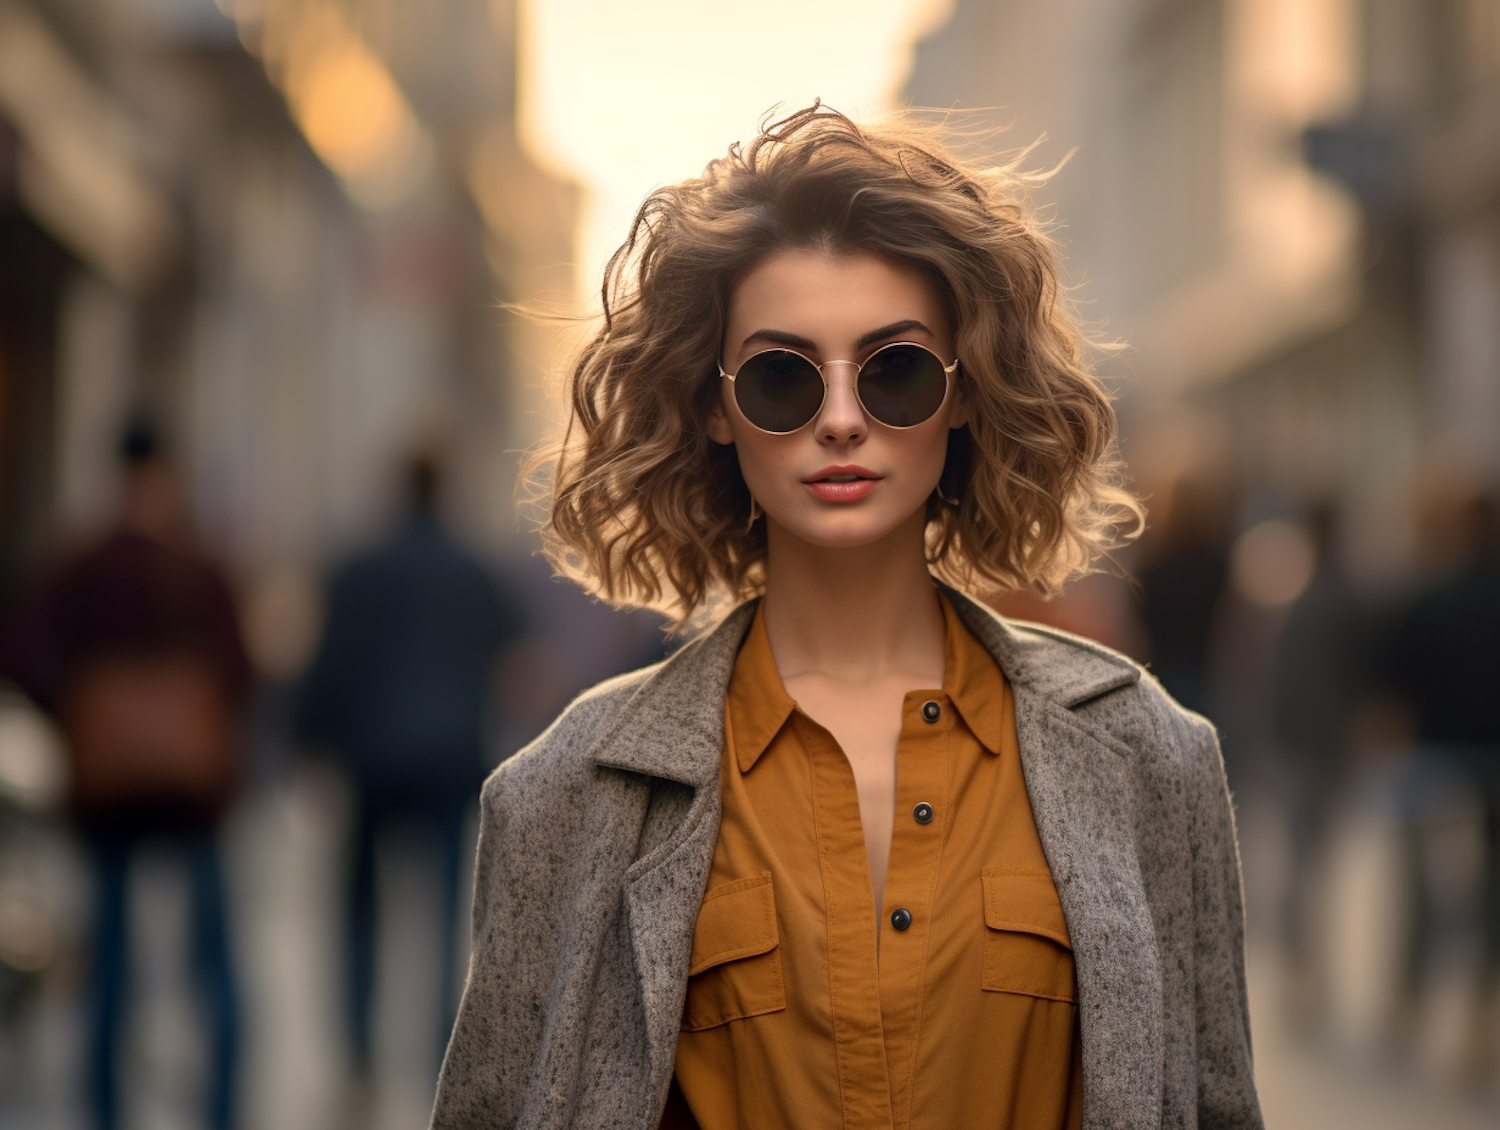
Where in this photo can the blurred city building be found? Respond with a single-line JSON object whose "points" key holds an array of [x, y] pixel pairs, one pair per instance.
{"points": [[286, 227], [1290, 210]]}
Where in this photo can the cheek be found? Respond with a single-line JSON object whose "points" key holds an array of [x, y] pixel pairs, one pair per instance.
{"points": [[761, 456], [927, 449]]}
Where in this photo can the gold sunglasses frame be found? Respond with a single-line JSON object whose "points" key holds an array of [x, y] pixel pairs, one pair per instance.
{"points": [[948, 372]]}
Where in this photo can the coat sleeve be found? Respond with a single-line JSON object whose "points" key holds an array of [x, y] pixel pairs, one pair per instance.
{"points": [[475, 1091], [1226, 1076]]}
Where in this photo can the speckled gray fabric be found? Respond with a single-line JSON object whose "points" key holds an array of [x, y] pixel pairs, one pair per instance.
{"points": [[596, 842]]}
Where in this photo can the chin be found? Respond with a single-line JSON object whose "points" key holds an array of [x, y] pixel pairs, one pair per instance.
{"points": [[846, 530]]}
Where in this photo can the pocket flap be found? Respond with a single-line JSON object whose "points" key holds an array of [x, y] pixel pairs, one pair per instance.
{"points": [[736, 920], [1024, 899]]}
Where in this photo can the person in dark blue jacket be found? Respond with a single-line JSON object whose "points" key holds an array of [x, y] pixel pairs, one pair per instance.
{"points": [[398, 690]]}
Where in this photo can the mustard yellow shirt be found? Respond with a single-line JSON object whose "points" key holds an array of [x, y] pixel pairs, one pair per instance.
{"points": [[967, 1017]]}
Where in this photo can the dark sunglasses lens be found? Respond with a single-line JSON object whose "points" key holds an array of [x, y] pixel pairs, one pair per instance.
{"points": [[778, 391], [902, 385]]}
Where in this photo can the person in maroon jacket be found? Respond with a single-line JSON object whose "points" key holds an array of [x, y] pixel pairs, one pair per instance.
{"points": [[133, 646]]}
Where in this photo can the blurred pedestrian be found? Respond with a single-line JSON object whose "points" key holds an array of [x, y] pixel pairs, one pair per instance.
{"points": [[1318, 682], [548, 669], [133, 644], [1444, 664], [398, 690], [1183, 581]]}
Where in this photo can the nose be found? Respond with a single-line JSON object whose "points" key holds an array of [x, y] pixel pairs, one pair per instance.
{"points": [[841, 419]]}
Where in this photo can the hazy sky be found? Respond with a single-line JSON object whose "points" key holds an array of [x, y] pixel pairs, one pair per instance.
{"points": [[624, 95]]}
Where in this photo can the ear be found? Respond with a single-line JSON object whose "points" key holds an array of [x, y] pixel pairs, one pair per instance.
{"points": [[718, 424], [960, 414]]}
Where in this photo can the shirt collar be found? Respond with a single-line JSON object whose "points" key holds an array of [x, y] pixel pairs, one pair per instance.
{"points": [[668, 720], [973, 680], [758, 703]]}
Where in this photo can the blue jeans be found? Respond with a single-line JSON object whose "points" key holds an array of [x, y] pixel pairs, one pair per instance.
{"points": [[439, 820], [198, 852]]}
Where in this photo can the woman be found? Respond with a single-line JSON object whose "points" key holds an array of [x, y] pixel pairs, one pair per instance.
{"points": [[862, 854]]}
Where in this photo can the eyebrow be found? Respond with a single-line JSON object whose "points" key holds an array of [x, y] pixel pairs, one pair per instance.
{"points": [[796, 341]]}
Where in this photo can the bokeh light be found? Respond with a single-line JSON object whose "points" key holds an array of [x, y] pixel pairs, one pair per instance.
{"points": [[625, 97]]}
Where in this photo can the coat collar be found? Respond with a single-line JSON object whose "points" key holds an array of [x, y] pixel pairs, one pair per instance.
{"points": [[673, 726], [1031, 657]]}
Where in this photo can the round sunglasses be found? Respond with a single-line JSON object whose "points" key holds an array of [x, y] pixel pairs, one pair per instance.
{"points": [[900, 385]]}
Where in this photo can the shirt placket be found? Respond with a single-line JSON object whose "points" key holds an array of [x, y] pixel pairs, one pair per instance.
{"points": [[922, 803], [853, 969]]}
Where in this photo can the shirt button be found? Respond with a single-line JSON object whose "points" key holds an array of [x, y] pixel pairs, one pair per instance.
{"points": [[922, 814], [931, 711], [901, 919]]}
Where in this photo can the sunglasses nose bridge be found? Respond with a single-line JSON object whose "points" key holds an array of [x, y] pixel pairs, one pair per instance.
{"points": [[854, 367], [826, 365], [842, 414]]}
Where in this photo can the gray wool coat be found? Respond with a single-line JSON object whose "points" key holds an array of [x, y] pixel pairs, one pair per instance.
{"points": [[597, 839]]}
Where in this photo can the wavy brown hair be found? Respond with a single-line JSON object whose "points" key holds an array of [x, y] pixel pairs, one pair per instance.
{"points": [[646, 510]]}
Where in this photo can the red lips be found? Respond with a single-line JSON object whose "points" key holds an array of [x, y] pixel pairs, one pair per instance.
{"points": [[842, 470], [842, 483]]}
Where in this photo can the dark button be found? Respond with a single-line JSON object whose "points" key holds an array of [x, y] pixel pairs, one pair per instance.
{"points": [[922, 814], [931, 711], [901, 919]]}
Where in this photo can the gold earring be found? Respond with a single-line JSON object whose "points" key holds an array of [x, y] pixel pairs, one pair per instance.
{"points": [[754, 514]]}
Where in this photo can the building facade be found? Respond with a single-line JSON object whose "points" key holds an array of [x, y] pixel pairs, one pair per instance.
{"points": [[288, 229], [1288, 209]]}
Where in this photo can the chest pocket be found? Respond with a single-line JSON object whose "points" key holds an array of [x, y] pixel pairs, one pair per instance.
{"points": [[735, 970], [1026, 946]]}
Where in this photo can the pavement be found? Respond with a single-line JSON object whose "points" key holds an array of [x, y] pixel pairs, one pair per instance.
{"points": [[284, 854]]}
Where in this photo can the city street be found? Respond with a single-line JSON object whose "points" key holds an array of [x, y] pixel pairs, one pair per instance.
{"points": [[375, 377]]}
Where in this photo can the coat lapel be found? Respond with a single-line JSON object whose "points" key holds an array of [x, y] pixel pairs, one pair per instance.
{"points": [[662, 898], [673, 727], [1078, 781]]}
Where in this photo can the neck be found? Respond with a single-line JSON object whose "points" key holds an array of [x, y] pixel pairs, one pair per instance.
{"points": [[854, 614]]}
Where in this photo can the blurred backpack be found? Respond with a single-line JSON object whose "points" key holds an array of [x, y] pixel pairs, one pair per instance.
{"points": [[149, 729]]}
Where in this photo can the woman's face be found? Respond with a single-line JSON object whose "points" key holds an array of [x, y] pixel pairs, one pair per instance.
{"points": [[844, 480]]}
